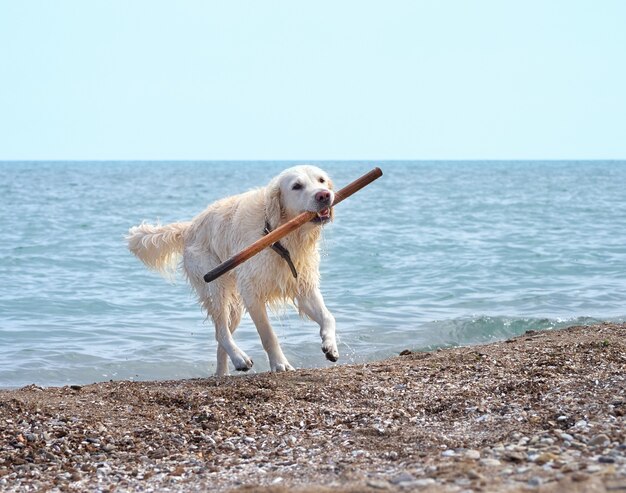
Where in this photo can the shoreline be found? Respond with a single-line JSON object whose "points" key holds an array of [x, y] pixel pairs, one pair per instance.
{"points": [[543, 411]]}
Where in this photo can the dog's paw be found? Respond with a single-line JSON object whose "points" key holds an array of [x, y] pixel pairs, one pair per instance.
{"points": [[242, 362], [281, 365], [330, 350]]}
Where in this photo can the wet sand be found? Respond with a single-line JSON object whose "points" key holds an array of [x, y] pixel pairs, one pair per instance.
{"points": [[543, 412]]}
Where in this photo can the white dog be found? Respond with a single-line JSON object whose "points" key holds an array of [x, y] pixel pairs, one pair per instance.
{"points": [[227, 227]]}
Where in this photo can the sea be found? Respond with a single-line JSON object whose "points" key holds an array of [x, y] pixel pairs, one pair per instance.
{"points": [[431, 255]]}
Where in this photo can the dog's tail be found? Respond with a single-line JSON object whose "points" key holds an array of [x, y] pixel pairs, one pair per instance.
{"points": [[158, 247]]}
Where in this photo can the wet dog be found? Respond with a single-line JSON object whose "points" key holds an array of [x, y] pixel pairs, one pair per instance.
{"points": [[228, 226]]}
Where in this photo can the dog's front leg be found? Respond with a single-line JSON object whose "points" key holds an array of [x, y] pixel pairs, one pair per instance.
{"points": [[312, 305], [277, 359]]}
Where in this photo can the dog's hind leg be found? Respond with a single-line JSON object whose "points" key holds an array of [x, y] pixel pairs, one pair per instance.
{"points": [[277, 359], [222, 362], [222, 304], [312, 305], [225, 341], [222, 356]]}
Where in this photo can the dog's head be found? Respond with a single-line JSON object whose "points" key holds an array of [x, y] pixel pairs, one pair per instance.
{"points": [[300, 189]]}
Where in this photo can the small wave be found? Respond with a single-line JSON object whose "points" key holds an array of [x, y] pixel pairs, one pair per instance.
{"points": [[484, 329]]}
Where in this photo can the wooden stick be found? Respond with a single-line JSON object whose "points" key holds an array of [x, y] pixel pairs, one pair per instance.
{"points": [[288, 227]]}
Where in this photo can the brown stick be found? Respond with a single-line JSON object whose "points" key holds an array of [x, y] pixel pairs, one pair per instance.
{"points": [[288, 227]]}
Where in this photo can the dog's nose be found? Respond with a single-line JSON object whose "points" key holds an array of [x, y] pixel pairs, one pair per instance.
{"points": [[323, 196]]}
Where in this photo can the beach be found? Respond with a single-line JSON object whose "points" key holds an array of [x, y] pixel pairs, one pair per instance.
{"points": [[543, 411]]}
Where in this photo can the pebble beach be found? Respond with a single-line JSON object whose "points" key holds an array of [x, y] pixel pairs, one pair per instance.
{"points": [[539, 412]]}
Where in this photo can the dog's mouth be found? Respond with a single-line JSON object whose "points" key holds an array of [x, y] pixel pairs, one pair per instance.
{"points": [[323, 216]]}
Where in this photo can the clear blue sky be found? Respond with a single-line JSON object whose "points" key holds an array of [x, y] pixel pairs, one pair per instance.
{"points": [[341, 79]]}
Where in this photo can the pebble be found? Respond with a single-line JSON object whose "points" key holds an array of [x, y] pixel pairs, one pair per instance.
{"points": [[448, 453], [229, 446], [474, 475], [421, 483], [404, 477], [514, 456], [603, 459], [580, 476], [378, 484], [545, 458], [535, 481], [600, 440], [489, 462], [472, 454]]}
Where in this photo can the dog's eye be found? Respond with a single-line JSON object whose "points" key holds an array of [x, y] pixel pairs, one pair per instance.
{"points": [[322, 180], [296, 186]]}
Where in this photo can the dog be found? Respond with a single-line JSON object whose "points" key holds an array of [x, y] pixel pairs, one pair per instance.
{"points": [[228, 226]]}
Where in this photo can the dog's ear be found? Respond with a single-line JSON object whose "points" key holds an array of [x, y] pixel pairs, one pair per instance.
{"points": [[273, 205]]}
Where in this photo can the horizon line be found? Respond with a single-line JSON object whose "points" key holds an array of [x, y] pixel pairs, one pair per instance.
{"points": [[303, 160]]}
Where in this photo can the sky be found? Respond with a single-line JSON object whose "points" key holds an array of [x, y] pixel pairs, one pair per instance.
{"points": [[312, 80]]}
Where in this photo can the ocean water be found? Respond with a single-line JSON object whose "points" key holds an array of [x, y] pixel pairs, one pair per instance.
{"points": [[433, 254]]}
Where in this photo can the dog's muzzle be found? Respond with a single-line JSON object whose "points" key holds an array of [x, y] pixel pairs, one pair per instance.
{"points": [[323, 216], [324, 199]]}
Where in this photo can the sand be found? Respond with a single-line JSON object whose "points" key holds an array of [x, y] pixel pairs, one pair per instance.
{"points": [[543, 412]]}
